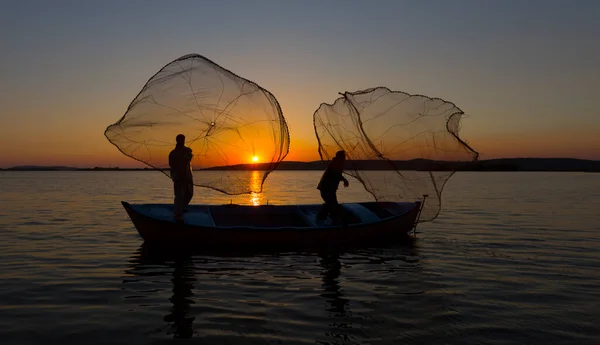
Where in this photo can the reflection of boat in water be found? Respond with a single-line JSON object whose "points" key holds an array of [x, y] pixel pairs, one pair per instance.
{"points": [[183, 279], [338, 306], [144, 263], [272, 225], [346, 327], [331, 265], [202, 293]]}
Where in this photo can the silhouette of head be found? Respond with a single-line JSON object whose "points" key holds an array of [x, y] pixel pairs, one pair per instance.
{"points": [[340, 154], [180, 139]]}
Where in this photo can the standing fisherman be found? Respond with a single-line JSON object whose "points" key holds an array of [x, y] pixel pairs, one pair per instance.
{"points": [[181, 174]]}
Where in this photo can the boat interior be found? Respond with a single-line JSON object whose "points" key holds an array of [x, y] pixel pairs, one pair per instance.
{"points": [[275, 216]]}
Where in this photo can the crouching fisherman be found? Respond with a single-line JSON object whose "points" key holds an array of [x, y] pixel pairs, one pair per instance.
{"points": [[328, 186]]}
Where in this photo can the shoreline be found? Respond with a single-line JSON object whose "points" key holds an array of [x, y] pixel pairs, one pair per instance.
{"points": [[501, 164]]}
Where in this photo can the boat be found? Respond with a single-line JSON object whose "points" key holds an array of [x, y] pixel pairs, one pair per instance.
{"points": [[281, 226]]}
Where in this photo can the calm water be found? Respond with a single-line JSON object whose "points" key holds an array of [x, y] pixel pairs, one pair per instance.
{"points": [[514, 258]]}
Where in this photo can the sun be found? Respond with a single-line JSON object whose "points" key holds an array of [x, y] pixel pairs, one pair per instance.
{"points": [[255, 159]]}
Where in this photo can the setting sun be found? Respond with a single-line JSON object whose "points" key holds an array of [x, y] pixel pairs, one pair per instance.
{"points": [[255, 159]]}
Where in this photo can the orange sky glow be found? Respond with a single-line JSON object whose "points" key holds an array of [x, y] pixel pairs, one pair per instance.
{"points": [[541, 145], [529, 89]]}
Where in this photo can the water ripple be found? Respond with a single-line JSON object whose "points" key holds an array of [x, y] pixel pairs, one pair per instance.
{"points": [[512, 259]]}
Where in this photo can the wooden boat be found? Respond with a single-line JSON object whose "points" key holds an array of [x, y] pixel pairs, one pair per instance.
{"points": [[272, 225]]}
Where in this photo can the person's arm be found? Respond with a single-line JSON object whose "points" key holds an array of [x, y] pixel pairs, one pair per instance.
{"points": [[346, 183], [341, 178], [190, 155]]}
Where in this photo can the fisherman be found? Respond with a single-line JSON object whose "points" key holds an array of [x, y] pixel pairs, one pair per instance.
{"points": [[328, 186], [181, 174]]}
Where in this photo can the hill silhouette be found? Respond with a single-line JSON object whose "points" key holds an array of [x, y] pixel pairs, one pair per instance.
{"points": [[501, 164]]}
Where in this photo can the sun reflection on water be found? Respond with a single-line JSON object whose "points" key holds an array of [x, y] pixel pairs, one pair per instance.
{"points": [[255, 179]]}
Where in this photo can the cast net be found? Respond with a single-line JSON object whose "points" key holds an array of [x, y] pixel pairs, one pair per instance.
{"points": [[399, 146], [235, 128]]}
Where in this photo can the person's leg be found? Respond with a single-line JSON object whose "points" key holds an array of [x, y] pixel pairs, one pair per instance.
{"points": [[189, 194], [330, 198], [179, 191], [324, 211], [335, 207]]}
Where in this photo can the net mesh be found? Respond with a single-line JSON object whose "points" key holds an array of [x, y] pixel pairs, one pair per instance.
{"points": [[230, 123], [399, 146]]}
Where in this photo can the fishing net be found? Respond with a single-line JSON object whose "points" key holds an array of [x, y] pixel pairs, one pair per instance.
{"points": [[235, 128], [399, 146]]}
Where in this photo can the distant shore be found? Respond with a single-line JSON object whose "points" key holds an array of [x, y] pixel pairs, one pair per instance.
{"points": [[502, 164]]}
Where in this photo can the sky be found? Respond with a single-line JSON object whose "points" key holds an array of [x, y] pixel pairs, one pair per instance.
{"points": [[526, 73]]}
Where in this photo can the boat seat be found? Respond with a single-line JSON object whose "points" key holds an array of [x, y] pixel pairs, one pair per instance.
{"points": [[364, 214], [199, 216], [309, 218]]}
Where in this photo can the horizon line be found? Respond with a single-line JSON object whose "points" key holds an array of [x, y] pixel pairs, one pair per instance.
{"points": [[97, 167]]}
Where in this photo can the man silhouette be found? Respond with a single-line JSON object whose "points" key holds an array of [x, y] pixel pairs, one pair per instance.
{"points": [[181, 173], [328, 186]]}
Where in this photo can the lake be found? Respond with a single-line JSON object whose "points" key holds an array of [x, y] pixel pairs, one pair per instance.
{"points": [[513, 258]]}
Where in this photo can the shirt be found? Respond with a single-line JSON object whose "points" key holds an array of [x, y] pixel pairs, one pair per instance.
{"points": [[180, 163], [332, 176]]}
